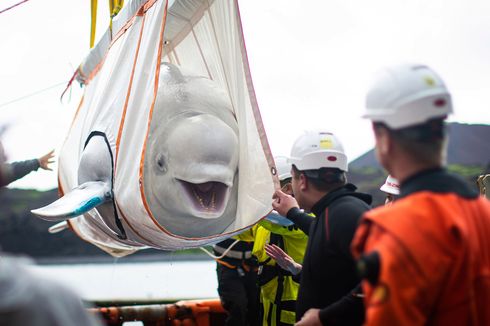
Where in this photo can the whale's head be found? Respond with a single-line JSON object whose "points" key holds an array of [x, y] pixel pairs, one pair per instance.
{"points": [[190, 177]]}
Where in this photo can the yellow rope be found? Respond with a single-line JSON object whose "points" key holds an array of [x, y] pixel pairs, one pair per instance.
{"points": [[93, 15], [114, 8], [118, 4]]}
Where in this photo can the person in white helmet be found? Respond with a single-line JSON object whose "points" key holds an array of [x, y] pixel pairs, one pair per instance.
{"points": [[327, 293], [391, 188], [425, 259]]}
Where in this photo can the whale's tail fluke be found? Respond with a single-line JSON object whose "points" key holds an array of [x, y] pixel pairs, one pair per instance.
{"points": [[77, 202]]}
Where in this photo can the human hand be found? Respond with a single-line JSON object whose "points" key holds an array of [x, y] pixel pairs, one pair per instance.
{"points": [[45, 160], [310, 318], [283, 259], [283, 202]]}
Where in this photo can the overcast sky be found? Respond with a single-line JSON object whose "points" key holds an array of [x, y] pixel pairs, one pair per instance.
{"points": [[311, 61]]}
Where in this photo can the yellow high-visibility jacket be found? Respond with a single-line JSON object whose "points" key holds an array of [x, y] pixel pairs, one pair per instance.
{"points": [[278, 287]]}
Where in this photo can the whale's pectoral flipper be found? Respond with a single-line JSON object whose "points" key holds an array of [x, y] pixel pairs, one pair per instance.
{"points": [[77, 202], [58, 227]]}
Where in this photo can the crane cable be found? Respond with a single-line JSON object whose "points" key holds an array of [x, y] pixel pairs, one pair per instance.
{"points": [[32, 94], [12, 6]]}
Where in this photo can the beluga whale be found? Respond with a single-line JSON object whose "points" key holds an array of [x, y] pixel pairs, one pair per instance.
{"points": [[190, 172], [191, 165], [166, 148]]}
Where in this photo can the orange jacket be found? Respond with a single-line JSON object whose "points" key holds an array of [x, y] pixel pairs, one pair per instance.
{"points": [[433, 246]]}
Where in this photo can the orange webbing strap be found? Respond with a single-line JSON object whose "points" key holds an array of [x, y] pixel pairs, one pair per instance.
{"points": [[219, 261], [248, 268]]}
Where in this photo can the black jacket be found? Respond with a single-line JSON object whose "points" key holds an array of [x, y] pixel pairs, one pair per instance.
{"points": [[329, 276]]}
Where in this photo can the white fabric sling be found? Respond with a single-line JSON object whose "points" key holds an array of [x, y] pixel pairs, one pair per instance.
{"points": [[121, 76]]}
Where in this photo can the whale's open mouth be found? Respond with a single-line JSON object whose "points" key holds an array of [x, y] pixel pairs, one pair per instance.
{"points": [[208, 199]]}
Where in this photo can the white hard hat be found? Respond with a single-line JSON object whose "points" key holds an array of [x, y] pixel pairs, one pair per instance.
{"points": [[283, 167], [407, 95], [391, 186], [318, 149]]}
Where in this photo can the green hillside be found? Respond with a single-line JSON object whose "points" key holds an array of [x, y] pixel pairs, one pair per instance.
{"points": [[369, 179]]}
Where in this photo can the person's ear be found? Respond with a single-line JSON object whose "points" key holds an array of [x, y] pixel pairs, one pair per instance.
{"points": [[383, 141], [303, 182]]}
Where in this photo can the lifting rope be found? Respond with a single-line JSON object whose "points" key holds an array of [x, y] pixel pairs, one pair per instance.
{"points": [[224, 253], [13, 6], [32, 94], [114, 8], [93, 25]]}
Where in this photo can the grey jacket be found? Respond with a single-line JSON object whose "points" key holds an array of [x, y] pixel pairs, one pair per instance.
{"points": [[16, 170]]}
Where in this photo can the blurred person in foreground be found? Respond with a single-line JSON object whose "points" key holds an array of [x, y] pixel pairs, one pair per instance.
{"points": [[329, 286], [27, 299], [425, 258]]}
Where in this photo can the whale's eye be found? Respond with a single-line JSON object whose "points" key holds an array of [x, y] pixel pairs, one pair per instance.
{"points": [[161, 163]]}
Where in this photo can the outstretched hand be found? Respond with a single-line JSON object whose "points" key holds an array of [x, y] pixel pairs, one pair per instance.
{"points": [[310, 318], [283, 202], [45, 160], [283, 259]]}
